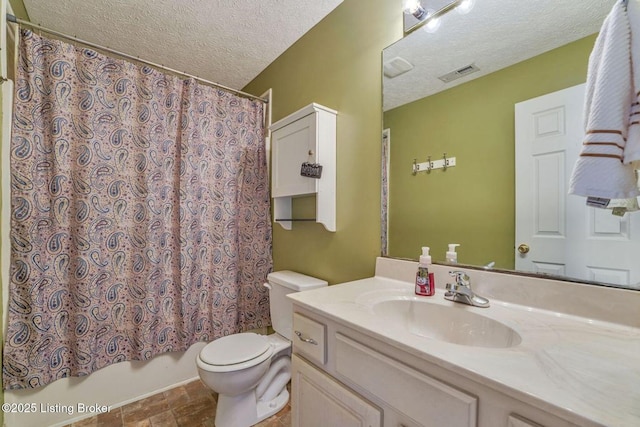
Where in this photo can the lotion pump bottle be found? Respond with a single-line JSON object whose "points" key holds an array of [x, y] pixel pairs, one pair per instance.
{"points": [[452, 255], [424, 280]]}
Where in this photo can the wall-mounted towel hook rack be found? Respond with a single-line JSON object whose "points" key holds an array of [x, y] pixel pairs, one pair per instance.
{"points": [[429, 165]]}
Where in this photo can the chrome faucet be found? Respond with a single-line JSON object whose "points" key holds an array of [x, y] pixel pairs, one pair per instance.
{"points": [[460, 291]]}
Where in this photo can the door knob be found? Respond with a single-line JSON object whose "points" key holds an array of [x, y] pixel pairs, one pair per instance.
{"points": [[523, 248]]}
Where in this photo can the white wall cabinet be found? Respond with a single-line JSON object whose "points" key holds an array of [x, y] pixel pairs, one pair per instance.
{"points": [[366, 382], [308, 135]]}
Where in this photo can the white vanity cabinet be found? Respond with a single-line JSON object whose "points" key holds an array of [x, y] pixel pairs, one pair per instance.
{"points": [[320, 401], [406, 390], [306, 136], [361, 381]]}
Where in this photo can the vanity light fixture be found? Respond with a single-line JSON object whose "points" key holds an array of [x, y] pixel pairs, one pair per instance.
{"points": [[430, 18], [414, 7]]}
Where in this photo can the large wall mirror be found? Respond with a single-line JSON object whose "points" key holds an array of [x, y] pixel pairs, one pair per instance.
{"points": [[459, 97]]}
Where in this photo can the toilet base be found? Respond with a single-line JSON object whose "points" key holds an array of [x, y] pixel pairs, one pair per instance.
{"points": [[267, 409], [244, 411]]}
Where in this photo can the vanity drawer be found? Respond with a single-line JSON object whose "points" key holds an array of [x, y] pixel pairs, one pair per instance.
{"points": [[309, 338], [424, 399]]}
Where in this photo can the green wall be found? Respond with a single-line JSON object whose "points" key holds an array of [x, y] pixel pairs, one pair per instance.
{"points": [[19, 9], [473, 203], [338, 64]]}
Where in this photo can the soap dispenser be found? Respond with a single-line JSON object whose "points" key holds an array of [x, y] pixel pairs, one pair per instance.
{"points": [[424, 280], [452, 255]]}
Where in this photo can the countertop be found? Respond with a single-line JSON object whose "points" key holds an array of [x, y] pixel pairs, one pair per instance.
{"points": [[583, 370]]}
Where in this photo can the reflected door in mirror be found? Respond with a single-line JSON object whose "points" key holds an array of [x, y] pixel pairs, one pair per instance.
{"points": [[564, 236]]}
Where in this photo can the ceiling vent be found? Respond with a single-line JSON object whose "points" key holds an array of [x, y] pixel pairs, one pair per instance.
{"points": [[460, 72], [396, 66]]}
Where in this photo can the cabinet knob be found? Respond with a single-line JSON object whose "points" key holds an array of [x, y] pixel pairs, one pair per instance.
{"points": [[311, 152]]}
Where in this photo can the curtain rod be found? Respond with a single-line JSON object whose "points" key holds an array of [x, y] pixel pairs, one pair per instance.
{"points": [[12, 18]]}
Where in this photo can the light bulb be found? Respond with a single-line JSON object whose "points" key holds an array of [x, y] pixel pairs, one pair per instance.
{"points": [[465, 6], [433, 25], [413, 7]]}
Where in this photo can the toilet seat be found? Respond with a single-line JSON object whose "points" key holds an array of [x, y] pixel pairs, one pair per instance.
{"points": [[235, 352]]}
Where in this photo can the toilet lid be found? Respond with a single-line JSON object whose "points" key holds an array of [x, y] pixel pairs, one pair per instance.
{"points": [[234, 349]]}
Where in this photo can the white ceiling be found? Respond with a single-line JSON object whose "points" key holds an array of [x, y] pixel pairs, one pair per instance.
{"points": [[226, 41], [494, 35]]}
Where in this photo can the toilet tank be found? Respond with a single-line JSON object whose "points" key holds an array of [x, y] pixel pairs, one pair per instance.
{"points": [[280, 284]]}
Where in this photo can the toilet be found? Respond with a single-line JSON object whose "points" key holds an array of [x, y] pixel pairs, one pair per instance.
{"points": [[249, 371]]}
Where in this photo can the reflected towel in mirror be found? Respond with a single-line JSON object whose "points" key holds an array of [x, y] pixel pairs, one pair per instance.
{"points": [[600, 170], [632, 150]]}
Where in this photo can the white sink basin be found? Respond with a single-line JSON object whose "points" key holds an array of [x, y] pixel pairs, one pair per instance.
{"points": [[454, 324]]}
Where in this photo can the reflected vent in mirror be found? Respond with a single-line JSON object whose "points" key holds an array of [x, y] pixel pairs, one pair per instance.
{"points": [[396, 66], [460, 72]]}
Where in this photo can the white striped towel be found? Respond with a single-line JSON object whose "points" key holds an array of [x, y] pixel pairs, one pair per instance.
{"points": [[632, 149], [600, 171]]}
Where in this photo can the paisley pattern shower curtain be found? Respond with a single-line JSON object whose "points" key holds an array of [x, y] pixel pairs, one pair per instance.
{"points": [[140, 214]]}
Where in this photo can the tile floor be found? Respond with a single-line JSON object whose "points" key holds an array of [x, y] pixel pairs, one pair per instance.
{"points": [[192, 404]]}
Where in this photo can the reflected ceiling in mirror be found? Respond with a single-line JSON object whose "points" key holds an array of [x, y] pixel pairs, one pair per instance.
{"points": [[493, 35]]}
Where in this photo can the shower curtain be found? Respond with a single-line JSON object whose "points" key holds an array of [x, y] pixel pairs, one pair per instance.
{"points": [[140, 214]]}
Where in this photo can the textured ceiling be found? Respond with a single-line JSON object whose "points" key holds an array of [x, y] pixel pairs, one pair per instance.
{"points": [[226, 41], [494, 35]]}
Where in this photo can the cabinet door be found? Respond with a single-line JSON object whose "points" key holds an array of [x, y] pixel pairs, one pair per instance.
{"points": [[319, 401], [293, 145]]}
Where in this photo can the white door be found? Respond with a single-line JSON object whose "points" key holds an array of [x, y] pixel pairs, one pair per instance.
{"points": [[562, 235], [319, 401]]}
